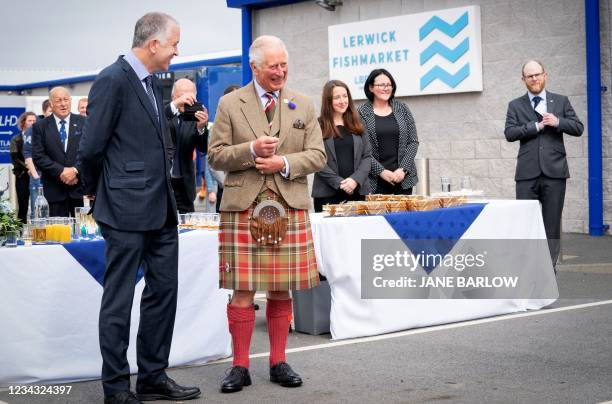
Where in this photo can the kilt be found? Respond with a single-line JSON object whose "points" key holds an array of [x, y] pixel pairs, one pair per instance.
{"points": [[245, 265]]}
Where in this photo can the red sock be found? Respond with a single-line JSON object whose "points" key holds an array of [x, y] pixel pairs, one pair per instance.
{"points": [[278, 314], [241, 321]]}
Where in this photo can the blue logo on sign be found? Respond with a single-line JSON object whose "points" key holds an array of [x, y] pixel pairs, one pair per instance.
{"points": [[438, 48], [8, 128]]}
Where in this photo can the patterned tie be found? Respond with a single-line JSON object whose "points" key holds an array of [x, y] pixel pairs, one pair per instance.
{"points": [[176, 163], [63, 134], [536, 101], [270, 106], [149, 83]]}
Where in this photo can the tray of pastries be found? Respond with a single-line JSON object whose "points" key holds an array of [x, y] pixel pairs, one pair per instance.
{"points": [[377, 204]]}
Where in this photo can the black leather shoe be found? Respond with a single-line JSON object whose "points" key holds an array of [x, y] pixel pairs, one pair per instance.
{"points": [[166, 390], [235, 380], [282, 374], [124, 397]]}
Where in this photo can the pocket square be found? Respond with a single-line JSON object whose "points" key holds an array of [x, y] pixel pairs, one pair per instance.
{"points": [[298, 124]]}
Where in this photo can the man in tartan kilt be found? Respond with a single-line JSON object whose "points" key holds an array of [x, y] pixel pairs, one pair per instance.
{"points": [[267, 138]]}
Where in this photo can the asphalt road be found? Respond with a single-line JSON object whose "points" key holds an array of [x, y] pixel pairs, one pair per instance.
{"points": [[561, 354]]}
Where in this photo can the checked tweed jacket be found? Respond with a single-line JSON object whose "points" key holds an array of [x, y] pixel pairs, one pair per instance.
{"points": [[408, 143]]}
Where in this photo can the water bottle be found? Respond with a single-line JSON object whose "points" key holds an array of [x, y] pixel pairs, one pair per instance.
{"points": [[41, 206]]}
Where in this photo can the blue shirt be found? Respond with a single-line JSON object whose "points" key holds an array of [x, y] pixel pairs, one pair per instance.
{"points": [[27, 143], [140, 70]]}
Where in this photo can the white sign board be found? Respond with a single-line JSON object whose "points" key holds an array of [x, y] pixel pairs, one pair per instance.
{"points": [[435, 52]]}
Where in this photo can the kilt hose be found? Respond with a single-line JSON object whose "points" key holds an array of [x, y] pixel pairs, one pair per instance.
{"points": [[246, 265]]}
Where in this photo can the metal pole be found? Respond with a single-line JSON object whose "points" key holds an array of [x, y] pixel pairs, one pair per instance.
{"points": [[422, 187], [593, 70], [247, 38]]}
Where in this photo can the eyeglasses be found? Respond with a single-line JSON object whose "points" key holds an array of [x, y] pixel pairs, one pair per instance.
{"points": [[383, 86], [536, 76]]}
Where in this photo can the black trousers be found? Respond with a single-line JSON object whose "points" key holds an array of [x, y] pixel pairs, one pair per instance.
{"points": [[22, 187], [183, 204], [551, 194], [157, 252], [219, 195], [386, 188], [64, 208], [341, 196]]}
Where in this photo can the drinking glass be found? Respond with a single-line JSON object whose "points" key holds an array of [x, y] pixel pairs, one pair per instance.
{"points": [[39, 231], [50, 227], [466, 183], [74, 229], [215, 221], [446, 184], [11, 238], [27, 235]]}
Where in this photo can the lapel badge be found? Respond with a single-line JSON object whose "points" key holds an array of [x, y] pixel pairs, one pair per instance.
{"points": [[290, 104]]}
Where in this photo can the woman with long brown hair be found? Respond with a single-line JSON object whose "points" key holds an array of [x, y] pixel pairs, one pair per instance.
{"points": [[345, 176]]}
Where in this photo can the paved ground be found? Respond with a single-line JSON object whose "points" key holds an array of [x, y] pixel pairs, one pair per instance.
{"points": [[561, 354]]}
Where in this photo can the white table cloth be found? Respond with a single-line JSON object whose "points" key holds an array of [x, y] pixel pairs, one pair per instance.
{"points": [[49, 307], [338, 244]]}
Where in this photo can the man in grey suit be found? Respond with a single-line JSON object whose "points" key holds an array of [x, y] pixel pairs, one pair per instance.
{"points": [[124, 164], [538, 120]]}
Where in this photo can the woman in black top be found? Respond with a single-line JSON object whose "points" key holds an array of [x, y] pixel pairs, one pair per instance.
{"points": [[22, 179], [393, 136], [345, 177]]}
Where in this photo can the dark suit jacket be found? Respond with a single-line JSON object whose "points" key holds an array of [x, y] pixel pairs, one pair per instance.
{"points": [[188, 139], [49, 156], [327, 181], [408, 143], [17, 159], [123, 156], [541, 152]]}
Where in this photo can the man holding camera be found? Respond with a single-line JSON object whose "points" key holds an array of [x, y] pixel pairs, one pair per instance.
{"points": [[187, 122]]}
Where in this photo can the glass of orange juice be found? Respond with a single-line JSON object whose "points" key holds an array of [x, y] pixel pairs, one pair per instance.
{"points": [[50, 229], [65, 229]]}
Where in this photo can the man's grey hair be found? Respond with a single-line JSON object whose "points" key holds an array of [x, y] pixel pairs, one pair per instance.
{"points": [[56, 89], [260, 44], [153, 25]]}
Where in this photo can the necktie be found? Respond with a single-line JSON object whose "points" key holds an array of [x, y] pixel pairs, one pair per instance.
{"points": [[62, 132], [176, 164], [269, 108], [536, 101], [149, 84]]}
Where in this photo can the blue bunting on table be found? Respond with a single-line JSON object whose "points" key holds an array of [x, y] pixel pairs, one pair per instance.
{"points": [[433, 231], [90, 254]]}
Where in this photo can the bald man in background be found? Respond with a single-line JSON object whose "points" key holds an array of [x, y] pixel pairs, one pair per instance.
{"points": [[186, 136], [55, 141]]}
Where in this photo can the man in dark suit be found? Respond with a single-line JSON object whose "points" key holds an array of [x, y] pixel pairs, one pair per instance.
{"points": [[124, 166], [55, 141], [186, 136], [538, 120]]}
